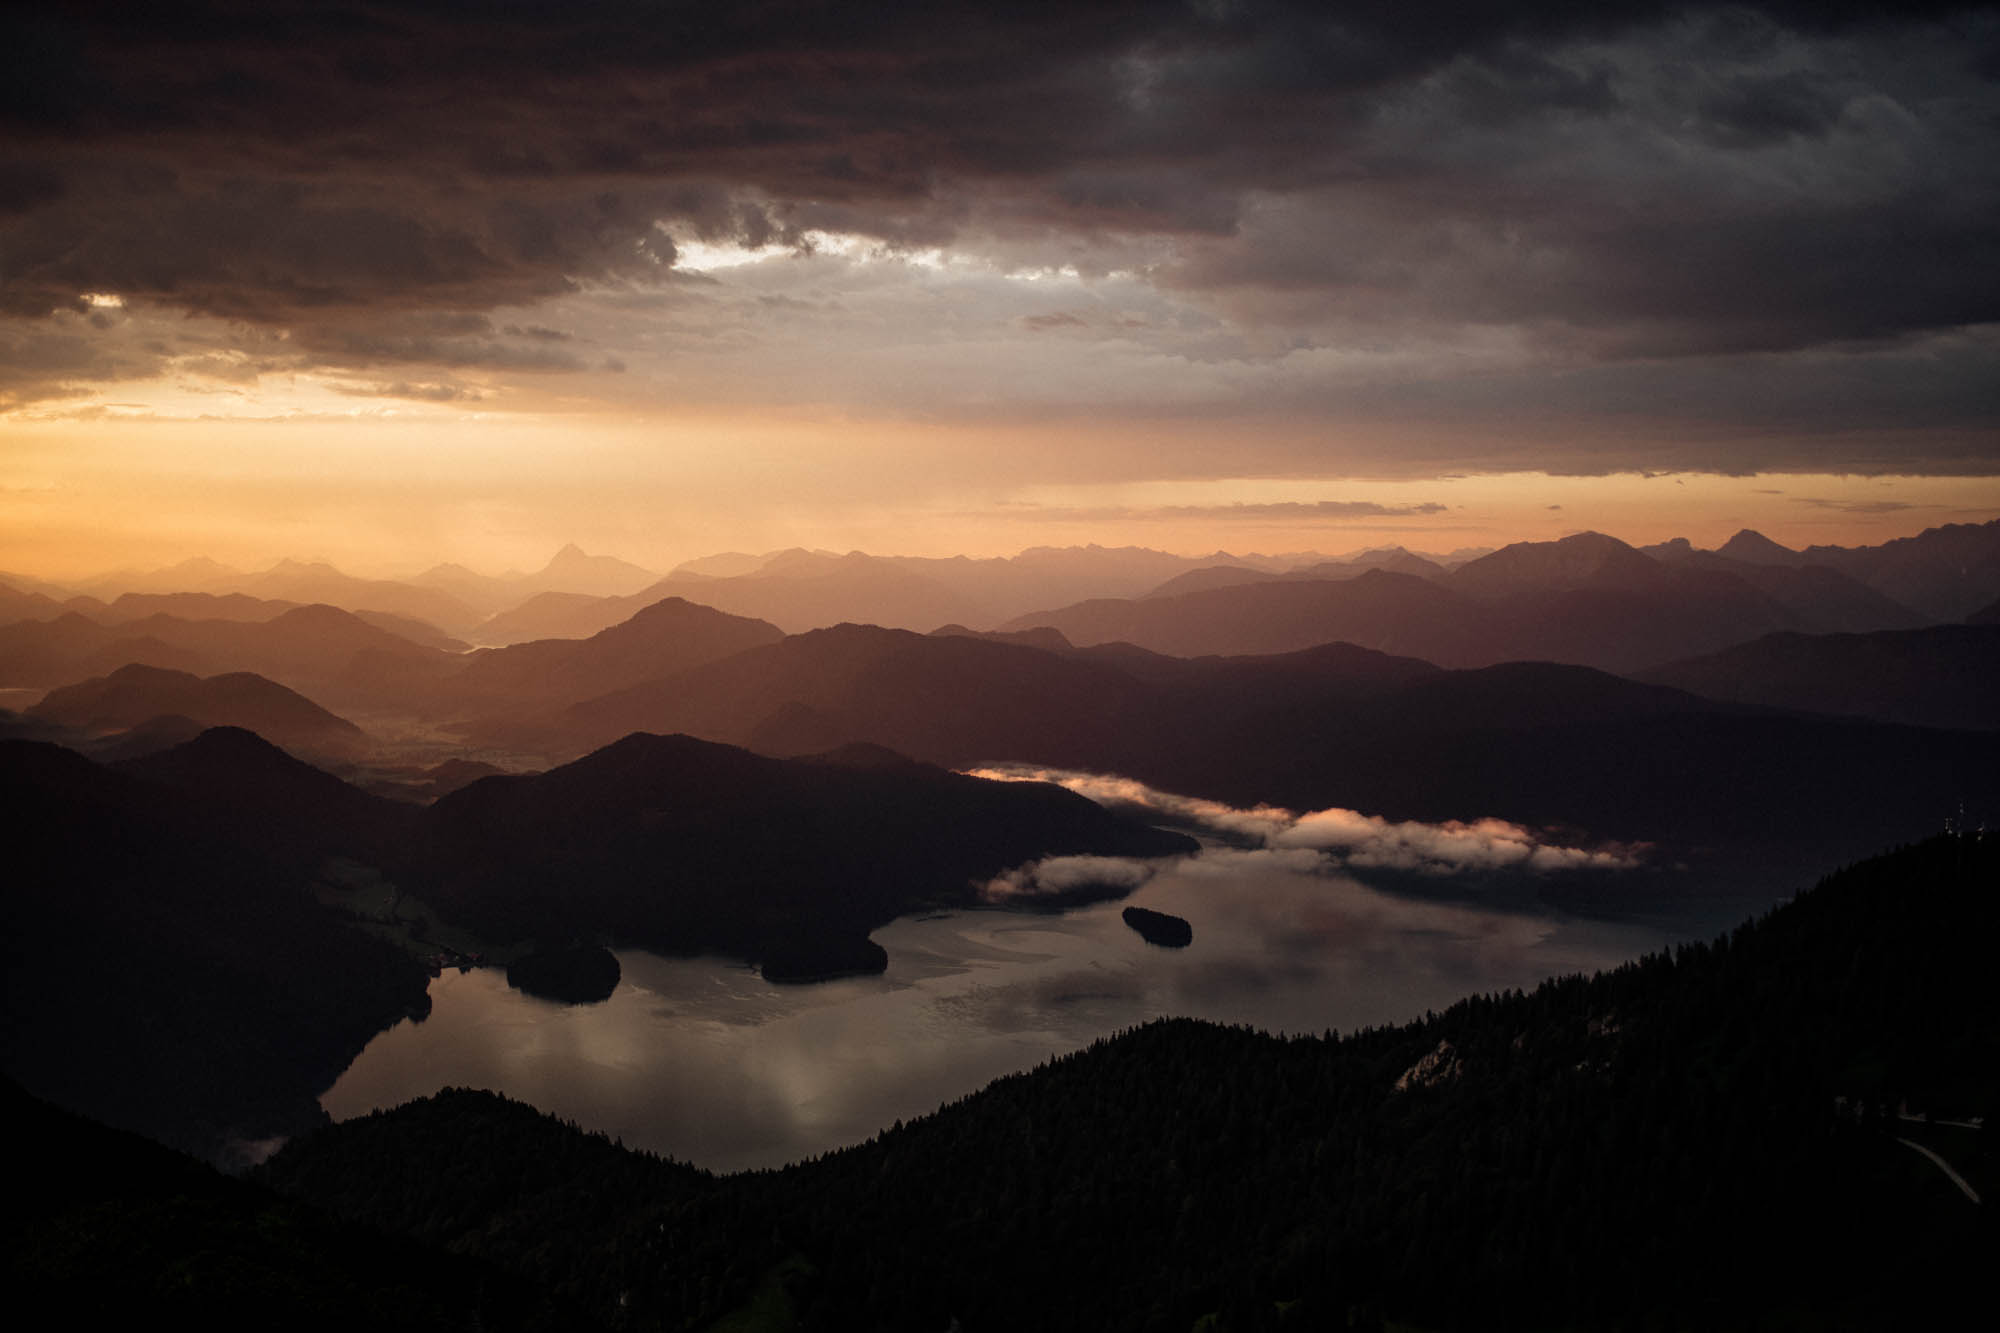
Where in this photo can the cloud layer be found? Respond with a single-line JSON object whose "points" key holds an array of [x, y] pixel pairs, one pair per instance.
{"points": [[1772, 217], [1322, 841]]}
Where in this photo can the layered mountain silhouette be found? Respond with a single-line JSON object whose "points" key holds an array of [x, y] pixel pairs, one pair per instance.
{"points": [[317, 582], [800, 589], [193, 606], [1753, 547], [660, 639], [1943, 676], [1944, 572], [570, 571], [1542, 743], [20, 604], [296, 582], [134, 618], [1587, 599], [558, 615], [1394, 559], [72, 647], [1824, 598], [1588, 560], [1394, 613], [948, 698], [319, 650], [135, 695], [811, 589]]}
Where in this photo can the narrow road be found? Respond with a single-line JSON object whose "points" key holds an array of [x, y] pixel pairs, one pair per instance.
{"points": [[1945, 1167]]}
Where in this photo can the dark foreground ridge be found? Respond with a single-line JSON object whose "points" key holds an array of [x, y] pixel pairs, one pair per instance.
{"points": [[1703, 1138], [118, 1232]]}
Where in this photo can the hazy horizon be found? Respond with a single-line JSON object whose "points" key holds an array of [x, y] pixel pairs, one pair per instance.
{"points": [[1844, 527]]}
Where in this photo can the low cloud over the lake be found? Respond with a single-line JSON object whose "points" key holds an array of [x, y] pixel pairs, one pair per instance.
{"points": [[1316, 840]]}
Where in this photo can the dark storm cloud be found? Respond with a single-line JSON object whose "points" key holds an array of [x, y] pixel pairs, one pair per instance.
{"points": [[1623, 180]]}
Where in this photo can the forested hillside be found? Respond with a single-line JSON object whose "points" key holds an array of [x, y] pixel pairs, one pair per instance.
{"points": [[1702, 1138]]}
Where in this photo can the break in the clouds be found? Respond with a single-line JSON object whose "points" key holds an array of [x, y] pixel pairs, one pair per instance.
{"points": [[1318, 840], [1770, 220]]}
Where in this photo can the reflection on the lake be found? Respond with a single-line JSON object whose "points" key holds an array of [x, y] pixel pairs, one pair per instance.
{"points": [[703, 1060]]}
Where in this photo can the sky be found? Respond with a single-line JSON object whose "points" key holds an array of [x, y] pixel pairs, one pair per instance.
{"points": [[392, 283]]}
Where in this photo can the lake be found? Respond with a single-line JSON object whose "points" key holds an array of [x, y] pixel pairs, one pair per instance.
{"points": [[702, 1060]]}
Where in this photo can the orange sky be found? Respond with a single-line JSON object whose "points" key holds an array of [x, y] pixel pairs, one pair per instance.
{"points": [[380, 493]]}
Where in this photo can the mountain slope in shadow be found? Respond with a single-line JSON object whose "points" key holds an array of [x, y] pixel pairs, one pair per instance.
{"points": [[137, 694], [662, 638], [1540, 743], [947, 699], [167, 969], [673, 843], [1588, 599], [1942, 676]]}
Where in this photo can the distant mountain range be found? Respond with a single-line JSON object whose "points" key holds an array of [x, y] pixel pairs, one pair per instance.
{"points": [[1946, 572], [1587, 599], [1120, 684], [570, 570], [1943, 574], [799, 590], [659, 639], [136, 695], [1540, 743], [1332, 724], [450, 598], [332, 655]]}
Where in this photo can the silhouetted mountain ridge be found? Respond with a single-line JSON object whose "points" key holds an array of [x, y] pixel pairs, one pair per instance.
{"points": [[136, 694], [1942, 676], [675, 843], [659, 639]]}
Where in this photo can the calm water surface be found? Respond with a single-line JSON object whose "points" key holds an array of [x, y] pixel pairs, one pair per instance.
{"points": [[702, 1060]]}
